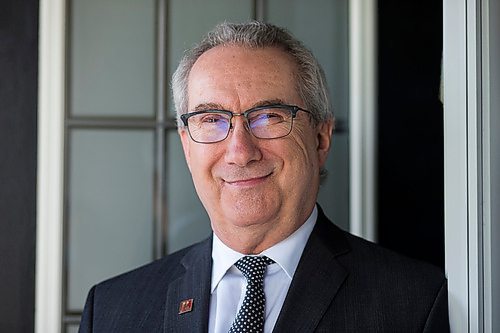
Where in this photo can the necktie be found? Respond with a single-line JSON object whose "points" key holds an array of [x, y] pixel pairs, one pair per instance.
{"points": [[250, 317]]}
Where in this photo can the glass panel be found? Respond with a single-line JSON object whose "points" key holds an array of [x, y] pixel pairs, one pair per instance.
{"points": [[110, 226], [112, 57], [182, 36], [188, 220], [323, 27], [334, 192], [72, 328]]}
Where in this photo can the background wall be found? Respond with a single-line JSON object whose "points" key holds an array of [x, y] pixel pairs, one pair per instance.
{"points": [[18, 137]]}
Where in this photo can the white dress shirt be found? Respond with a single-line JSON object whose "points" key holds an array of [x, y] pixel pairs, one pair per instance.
{"points": [[229, 285]]}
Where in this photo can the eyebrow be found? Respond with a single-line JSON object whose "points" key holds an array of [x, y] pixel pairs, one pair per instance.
{"points": [[268, 102], [216, 106], [208, 106]]}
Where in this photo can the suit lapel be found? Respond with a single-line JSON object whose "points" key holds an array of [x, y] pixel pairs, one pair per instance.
{"points": [[316, 281], [192, 286]]}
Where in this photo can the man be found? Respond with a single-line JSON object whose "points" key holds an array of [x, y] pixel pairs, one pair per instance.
{"points": [[256, 126]]}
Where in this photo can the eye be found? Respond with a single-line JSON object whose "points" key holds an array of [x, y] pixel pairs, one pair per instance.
{"points": [[270, 115], [210, 118], [267, 117], [206, 119]]}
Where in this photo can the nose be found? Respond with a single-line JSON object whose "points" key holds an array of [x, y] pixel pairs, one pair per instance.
{"points": [[241, 146]]}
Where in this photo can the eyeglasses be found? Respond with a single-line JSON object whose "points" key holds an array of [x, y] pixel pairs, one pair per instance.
{"points": [[264, 122]]}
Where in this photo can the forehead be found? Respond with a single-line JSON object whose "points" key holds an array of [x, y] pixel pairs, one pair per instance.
{"points": [[226, 73]]}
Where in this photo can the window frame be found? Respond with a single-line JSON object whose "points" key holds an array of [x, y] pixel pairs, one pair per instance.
{"points": [[53, 124]]}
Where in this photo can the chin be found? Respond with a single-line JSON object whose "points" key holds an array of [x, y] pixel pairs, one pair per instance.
{"points": [[250, 213]]}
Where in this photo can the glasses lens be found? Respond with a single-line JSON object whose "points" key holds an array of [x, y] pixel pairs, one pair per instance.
{"points": [[208, 127], [270, 123]]}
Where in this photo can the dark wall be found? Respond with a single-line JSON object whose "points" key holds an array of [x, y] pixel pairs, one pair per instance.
{"points": [[18, 131], [410, 141]]}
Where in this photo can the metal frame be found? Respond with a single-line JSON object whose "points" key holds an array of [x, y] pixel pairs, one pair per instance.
{"points": [[363, 122], [469, 152], [163, 124], [159, 123], [456, 103], [490, 71], [486, 195], [51, 102]]}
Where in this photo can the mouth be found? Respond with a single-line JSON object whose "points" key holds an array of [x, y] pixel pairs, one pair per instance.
{"points": [[247, 181]]}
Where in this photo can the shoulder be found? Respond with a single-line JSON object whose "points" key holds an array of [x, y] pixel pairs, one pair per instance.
{"points": [[380, 288], [366, 257], [414, 293], [136, 299], [155, 275], [372, 267]]}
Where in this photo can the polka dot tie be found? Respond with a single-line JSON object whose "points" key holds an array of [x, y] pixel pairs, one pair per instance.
{"points": [[250, 317]]}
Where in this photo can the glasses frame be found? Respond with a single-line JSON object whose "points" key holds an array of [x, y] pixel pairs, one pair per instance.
{"points": [[292, 108]]}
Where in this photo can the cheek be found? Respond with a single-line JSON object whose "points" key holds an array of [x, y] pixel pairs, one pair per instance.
{"points": [[307, 164], [305, 151], [299, 164], [202, 161], [207, 188]]}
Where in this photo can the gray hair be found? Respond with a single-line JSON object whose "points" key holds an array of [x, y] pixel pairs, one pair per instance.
{"points": [[310, 78]]}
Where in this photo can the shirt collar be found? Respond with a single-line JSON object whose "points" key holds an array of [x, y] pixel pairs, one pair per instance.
{"points": [[286, 253]]}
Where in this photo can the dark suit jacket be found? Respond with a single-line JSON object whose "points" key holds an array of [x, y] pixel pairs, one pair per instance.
{"points": [[342, 284]]}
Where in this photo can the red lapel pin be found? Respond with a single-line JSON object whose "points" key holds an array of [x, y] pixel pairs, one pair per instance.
{"points": [[186, 306]]}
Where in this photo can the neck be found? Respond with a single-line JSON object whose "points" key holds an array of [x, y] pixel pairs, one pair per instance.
{"points": [[254, 239]]}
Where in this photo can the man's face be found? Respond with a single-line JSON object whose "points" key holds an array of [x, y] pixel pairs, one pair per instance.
{"points": [[248, 184]]}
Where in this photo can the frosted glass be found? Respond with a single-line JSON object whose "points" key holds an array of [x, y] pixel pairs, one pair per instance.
{"points": [[110, 220], [323, 27], [334, 192], [112, 57], [188, 221], [72, 329], [191, 19]]}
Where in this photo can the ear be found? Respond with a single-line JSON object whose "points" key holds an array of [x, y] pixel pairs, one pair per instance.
{"points": [[324, 137], [186, 141]]}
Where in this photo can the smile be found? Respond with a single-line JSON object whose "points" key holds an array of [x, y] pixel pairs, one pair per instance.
{"points": [[246, 182]]}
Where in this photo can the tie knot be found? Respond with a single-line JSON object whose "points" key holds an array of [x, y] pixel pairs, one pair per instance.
{"points": [[253, 267]]}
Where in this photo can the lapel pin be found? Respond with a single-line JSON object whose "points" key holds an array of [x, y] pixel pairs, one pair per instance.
{"points": [[186, 306]]}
